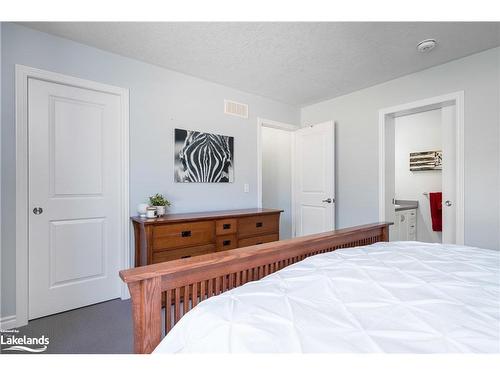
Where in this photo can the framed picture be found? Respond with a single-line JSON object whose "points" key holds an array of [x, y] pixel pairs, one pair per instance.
{"points": [[426, 161], [203, 157]]}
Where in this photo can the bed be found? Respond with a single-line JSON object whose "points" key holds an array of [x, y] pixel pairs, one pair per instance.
{"points": [[341, 291]]}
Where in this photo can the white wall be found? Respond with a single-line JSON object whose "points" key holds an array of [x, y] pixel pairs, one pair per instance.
{"points": [[356, 117], [160, 100], [2, 281], [414, 133], [276, 175]]}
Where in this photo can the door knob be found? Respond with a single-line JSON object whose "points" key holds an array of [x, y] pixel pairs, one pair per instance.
{"points": [[328, 200], [447, 203], [37, 210]]}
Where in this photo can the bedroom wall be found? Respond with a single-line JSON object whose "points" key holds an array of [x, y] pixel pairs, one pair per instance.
{"points": [[160, 100], [1, 252], [356, 118], [413, 133]]}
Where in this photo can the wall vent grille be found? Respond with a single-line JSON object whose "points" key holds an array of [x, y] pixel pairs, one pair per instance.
{"points": [[235, 109]]}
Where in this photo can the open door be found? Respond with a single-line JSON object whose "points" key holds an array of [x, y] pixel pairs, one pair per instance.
{"points": [[314, 179], [448, 121]]}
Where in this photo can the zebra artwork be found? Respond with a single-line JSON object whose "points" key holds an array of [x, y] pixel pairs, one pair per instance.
{"points": [[203, 157]]}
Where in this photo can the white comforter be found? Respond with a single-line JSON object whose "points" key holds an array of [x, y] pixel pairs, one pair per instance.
{"points": [[388, 297]]}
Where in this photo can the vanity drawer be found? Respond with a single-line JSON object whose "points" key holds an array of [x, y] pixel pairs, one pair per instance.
{"points": [[255, 225], [183, 235], [227, 226], [188, 252], [258, 240], [412, 216], [226, 242]]}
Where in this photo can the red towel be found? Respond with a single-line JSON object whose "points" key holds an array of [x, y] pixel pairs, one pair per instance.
{"points": [[435, 200]]}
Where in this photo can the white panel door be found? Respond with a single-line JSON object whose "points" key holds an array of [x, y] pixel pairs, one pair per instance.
{"points": [[449, 173], [314, 179], [74, 185]]}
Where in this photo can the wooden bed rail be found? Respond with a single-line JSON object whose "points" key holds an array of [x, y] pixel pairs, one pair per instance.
{"points": [[181, 284]]}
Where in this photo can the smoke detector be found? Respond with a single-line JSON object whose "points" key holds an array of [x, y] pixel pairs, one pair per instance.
{"points": [[426, 45]]}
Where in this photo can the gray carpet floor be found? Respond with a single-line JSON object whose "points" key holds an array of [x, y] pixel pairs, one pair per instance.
{"points": [[104, 328]]}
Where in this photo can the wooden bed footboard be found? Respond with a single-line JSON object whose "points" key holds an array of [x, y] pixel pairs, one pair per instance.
{"points": [[181, 284]]}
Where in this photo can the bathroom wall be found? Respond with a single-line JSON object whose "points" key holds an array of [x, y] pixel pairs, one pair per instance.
{"points": [[414, 133], [356, 126]]}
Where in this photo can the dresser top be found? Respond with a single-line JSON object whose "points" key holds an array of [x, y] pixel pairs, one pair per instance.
{"points": [[207, 215]]}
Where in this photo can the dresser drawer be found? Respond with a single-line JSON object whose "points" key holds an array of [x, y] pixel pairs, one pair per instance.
{"points": [[255, 225], [227, 226], [226, 242], [258, 240], [183, 235], [188, 252]]}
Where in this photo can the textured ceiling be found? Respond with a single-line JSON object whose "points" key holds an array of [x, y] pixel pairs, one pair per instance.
{"points": [[297, 63]]}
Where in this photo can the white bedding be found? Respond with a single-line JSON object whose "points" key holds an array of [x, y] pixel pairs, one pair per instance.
{"points": [[387, 297]]}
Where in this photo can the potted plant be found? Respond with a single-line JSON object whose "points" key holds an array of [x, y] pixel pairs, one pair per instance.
{"points": [[160, 203]]}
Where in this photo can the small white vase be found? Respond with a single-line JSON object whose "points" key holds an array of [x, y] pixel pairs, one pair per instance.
{"points": [[141, 209], [160, 210]]}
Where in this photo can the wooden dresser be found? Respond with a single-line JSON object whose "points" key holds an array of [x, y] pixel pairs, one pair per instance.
{"points": [[176, 236]]}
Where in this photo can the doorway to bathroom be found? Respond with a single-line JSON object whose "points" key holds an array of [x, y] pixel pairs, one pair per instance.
{"points": [[421, 169], [418, 182]]}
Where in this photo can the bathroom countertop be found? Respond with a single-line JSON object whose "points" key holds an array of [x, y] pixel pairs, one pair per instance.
{"points": [[402, 205]]}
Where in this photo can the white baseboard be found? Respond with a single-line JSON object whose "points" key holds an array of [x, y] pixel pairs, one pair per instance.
{"points": [[8, 322]]}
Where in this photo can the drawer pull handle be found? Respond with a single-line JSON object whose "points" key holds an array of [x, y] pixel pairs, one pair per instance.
{"points": [[258, 225], [186, 233], [186, 256], [226, 226], [260, 243], [226, 242]]}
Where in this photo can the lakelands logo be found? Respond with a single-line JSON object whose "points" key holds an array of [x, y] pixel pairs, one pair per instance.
{"points": [[24, 343]]}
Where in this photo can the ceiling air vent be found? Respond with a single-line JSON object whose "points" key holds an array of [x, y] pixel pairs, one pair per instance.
{"points": [[235, 109]]}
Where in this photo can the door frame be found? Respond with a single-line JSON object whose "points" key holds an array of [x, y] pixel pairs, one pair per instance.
{"points": [[261, 122], [23, 73], [388, 114]]}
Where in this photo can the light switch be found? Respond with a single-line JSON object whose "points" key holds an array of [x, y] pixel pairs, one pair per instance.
{"points": [[246, 188]]}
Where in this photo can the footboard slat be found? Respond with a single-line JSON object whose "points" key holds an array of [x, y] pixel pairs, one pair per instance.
{"points": [[185, 300], [185, 282], [238, 278], [177, 305], [168, 310], [224, 283], [217, 285], [202, 290], [210, 290], [194, 299]]}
